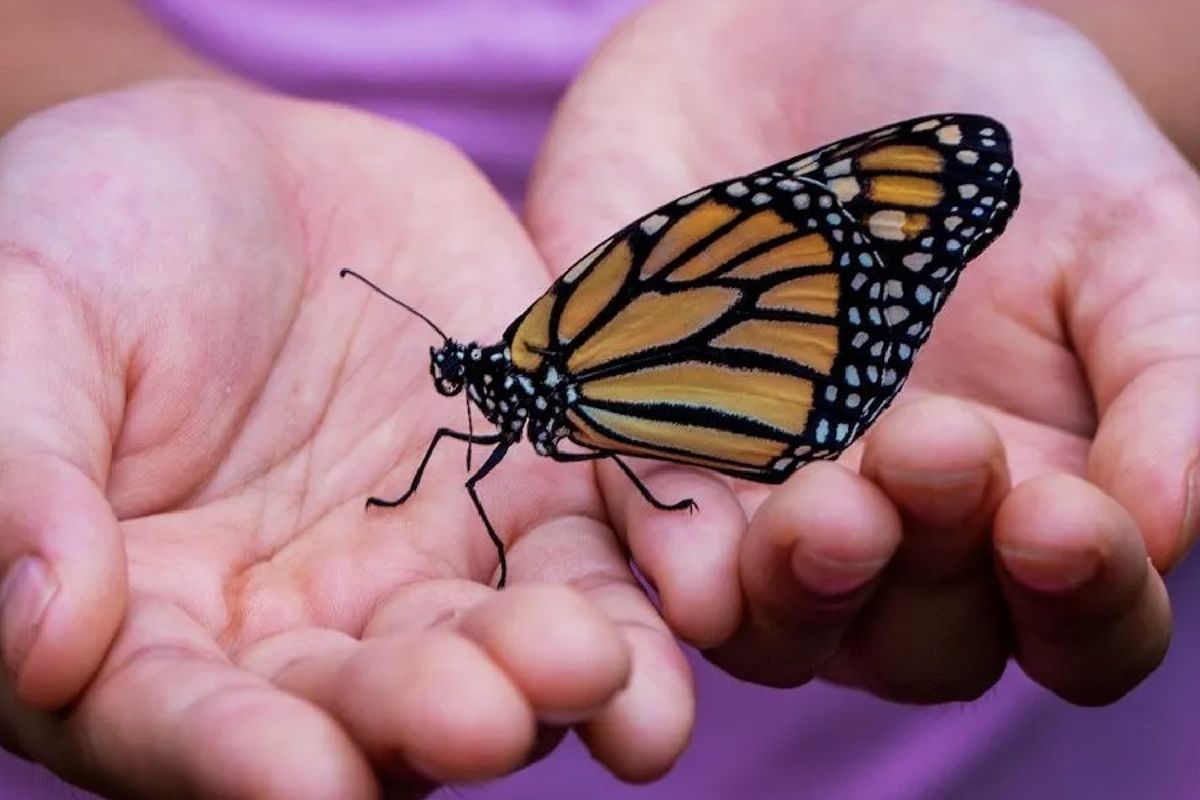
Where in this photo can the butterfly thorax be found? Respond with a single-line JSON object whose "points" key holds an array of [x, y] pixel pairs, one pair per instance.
{"points": [[508, 397]]}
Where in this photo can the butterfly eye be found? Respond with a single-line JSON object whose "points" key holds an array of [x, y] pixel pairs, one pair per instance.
{"points": [[446, 367]]}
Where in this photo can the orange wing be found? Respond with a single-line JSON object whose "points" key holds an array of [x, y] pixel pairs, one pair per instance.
{"points": [[760, 323]]}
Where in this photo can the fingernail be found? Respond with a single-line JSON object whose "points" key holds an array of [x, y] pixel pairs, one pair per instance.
{"points": [[25, 594], [1049, 571], [828, 576]]}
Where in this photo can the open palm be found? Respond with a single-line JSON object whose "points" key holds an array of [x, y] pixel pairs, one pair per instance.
{"points": [[195, 404], [1069, 351]]}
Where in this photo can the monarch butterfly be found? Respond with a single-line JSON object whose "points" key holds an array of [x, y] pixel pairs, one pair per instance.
{"points": [[749, 327]]}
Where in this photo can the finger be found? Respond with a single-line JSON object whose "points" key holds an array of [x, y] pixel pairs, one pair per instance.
{"points": [[936, 627], [437, 703], [1139, 337], [64, 587], [313, 664], [566, 657], [1090, 616], [644, 730], [809, 562], [690, 556], [425, 706], [1146, 455], [466, 673], [641, 731], [168, 716]]}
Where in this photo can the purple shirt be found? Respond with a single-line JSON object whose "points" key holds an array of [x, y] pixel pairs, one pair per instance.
{"points": [[486, 74]]}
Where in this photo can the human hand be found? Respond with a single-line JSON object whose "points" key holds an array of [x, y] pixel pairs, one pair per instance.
{"points": [[1046, 442], [194, 409]]}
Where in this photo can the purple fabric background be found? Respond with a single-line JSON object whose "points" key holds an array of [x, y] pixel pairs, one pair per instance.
{"points": [[486, 74]]}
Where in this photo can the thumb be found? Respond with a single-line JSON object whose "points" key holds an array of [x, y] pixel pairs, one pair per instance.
{"points": [[63, 588], [1139, 332]]}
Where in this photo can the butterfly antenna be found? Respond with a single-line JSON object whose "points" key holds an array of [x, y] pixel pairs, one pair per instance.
{"points": [[395, 300]]}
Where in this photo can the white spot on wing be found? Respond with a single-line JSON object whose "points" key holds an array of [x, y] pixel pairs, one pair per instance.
{"points": [[837, 168], [950, 134], [887, 224], [846, 189], [687, 200], [654, 223], [804, 165], [582, 264], [916, 261]]}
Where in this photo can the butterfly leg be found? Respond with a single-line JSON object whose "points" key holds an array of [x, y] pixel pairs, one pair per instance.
{"points": [[437, 437], [687, 503], [493, 459]]}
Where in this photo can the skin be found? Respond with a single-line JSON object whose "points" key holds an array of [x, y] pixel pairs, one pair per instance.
{"points": [[195, 408]]}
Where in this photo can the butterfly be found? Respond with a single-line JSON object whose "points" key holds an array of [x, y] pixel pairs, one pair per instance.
{"points": [[749, 327]]}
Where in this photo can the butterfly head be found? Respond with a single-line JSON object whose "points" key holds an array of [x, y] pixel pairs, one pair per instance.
{"points": [[448, 366]]}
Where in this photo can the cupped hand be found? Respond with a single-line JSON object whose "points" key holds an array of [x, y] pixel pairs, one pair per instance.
{"points": [[1039, 471], [193, 410]]}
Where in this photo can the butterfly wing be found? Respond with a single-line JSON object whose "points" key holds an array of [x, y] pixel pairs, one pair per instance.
{"points": [[932, 193], [763, 322]]}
